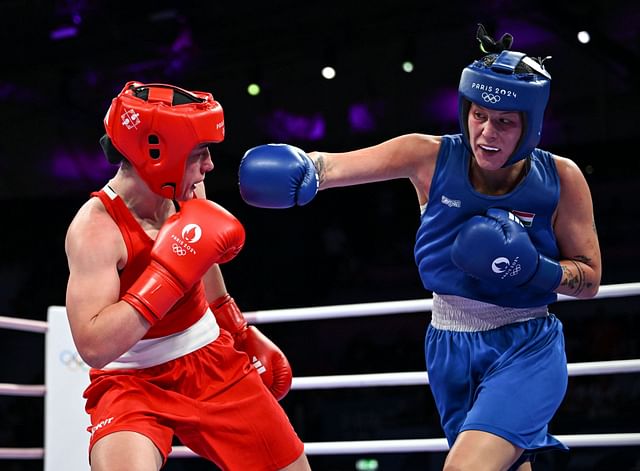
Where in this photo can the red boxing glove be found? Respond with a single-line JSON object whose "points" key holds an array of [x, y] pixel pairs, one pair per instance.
{"points": [[200, 234], [265, 356]]}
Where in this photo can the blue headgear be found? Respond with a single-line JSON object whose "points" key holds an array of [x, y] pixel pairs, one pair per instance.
{"points": [[498, 86]]}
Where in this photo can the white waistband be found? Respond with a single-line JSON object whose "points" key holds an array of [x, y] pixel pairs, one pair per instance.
{"points": [[150, 352], [468, 315]]}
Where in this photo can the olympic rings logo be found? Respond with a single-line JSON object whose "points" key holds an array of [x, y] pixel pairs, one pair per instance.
{"points": [[73, 361], [179, 251], [490, 97]]}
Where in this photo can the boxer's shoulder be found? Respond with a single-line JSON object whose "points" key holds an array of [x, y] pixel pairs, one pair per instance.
{"points": [[93, 226]]}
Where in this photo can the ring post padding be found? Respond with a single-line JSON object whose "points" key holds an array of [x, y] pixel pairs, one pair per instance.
{"points": [[66, 440]]}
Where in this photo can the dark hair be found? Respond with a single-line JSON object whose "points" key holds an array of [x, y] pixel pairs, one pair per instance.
{"points": [[113, 155]]}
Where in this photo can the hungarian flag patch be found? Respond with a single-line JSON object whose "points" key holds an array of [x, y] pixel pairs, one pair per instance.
{"points": [[525, 217]]}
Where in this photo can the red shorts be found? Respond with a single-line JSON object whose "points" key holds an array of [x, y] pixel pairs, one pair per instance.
{"points": [[212, 400]]}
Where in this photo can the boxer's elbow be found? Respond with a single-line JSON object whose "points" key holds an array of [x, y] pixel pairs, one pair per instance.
{"points": [[95, 357]]}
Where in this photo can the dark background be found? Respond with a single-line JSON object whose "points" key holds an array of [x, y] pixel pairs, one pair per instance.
{"points": [[349, 245]]}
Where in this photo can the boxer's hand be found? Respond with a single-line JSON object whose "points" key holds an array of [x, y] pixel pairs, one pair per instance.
{"points": [[496, 247], [200, 234], [277, 176], [265, 356]]}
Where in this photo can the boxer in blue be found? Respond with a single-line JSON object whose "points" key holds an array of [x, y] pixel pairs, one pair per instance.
{"points": [[505, 227]]}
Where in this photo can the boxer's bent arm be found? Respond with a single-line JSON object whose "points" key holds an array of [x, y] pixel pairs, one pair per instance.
{"points": [[214, 284], [576, 234], [103, 327]]}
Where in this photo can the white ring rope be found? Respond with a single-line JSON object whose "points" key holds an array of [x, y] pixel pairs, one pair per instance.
{"points": [[415, 445], [37, 390], [399, 307], [27, 325], [413, 378], [364, 380], [420, 445], [416, 378], [343, 310]]}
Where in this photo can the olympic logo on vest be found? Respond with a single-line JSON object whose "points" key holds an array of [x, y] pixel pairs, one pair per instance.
{"points": [[490, 97]]}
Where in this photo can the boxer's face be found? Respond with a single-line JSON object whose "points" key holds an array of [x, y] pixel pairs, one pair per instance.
{"points": [[198, 164], [493, 135]]}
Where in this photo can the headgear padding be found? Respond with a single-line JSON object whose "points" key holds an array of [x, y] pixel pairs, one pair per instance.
{"points": [[498, 86], [156, 126]]}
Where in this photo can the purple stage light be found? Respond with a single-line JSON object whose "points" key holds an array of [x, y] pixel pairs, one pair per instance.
{"points": [[443, 105], [76, 165], [361, 118], [63, 32], [283, 125], [183, 41]]}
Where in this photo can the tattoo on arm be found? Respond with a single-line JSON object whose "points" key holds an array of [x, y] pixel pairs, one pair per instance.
{"points": [[319, 164], [582, 258], [574, 277], [574, 281]]}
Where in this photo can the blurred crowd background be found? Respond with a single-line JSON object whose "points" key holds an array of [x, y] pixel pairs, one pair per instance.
{"points": [[397, 66]]}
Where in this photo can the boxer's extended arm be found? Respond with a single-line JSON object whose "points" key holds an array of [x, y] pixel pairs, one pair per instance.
{"points": [[410, 156], [279, 176]]}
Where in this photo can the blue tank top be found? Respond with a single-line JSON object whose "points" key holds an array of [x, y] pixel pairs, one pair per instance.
{"points": [[452, 201]]}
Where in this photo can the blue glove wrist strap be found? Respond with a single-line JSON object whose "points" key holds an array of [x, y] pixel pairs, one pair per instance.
{"points": [[309, 186], [548, 275]]}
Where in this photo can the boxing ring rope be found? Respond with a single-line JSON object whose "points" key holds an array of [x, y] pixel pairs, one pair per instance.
{"points": [[364, 380], [399, 307]]}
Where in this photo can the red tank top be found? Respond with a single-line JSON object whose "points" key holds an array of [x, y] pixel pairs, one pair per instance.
{"points": [[187, 310]]}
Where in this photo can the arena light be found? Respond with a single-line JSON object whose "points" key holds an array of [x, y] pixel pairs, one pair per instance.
{"points": [[367, 464], [584, 37], [409, 55], [328, 72], [253, 89], [407, 66]]}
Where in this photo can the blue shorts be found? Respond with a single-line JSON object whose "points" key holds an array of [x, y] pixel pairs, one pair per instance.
{"points": [[507, 381]]}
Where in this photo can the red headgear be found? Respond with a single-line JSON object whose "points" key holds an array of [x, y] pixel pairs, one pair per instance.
{"points": [[156, 126]]}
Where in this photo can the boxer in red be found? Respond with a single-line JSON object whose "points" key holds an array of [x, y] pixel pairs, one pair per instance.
{"points": [[149, 311]]}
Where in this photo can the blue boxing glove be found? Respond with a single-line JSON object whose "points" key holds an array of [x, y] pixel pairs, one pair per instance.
{"points": [[277, 176], [496, 247]]}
